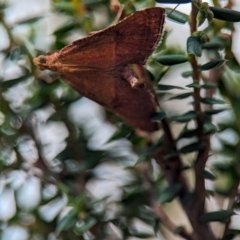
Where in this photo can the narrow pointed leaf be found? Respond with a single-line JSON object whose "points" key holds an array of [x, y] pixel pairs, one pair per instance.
{"points": [[66, 7], [217, 216], [9, 83], [141, 235], [86, 225], [68, 221], [185, 117], [171, 59], [187, 74], [67, 27], [194, 85], [230, 234], [208, 175], [211, 101], [214, 111], [213, 45], [123, 132], [158, 117], [154, 146], [192, 147], [209, 127], [165, 87], [188, 134], [182, 96], [170, 155], [213, 64], [208, 85], [169, 193], [173, 1], [29, 20]]}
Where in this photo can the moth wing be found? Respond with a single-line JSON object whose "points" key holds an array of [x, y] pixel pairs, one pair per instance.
{"points": [[109, 89], [130, 41]]}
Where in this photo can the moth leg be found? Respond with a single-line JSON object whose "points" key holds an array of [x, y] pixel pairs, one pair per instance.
{"points": [[129, 75]]}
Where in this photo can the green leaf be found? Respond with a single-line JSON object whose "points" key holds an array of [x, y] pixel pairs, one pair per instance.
{"points": [[28, 20], [174, 1], [59, 115], [231, 234], [194, 85], [184, 117], [211, 101], [225, 14], [194, 46], [208, 175], [182, 96], [187, 74], [141, 235], [67, 221], [155, 145], [65, 28], [123, 132], [158, 117], [192, 147], [217, 216], [209, 85], [144, 157], [209, 127], [214, 45], [66, 7], [176, 15], [93, 3], [9, 83], [138, 141], [170, 60], [147, 216], [85, 225], [165, 87], [132, 194], [214, 111], [188, 133], [213, 64], [170, 155], [169, 193]]}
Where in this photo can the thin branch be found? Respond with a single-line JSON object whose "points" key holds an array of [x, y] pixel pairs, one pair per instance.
{"points": [[202, 230], [231, 202], [199, 200], [158, 210], [171, 168]]}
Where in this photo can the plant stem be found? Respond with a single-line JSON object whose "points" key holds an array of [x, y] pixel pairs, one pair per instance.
{"points": [[201, 230]]}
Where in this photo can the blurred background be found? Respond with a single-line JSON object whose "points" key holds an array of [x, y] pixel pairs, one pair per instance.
{"points": [[64, 155]]}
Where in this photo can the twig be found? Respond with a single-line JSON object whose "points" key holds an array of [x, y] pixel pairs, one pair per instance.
{"points": [[172, 169], [230, 204], [158, 210]]}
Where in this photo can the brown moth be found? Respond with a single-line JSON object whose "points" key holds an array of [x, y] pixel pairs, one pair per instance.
{"points": [[97, 66]]}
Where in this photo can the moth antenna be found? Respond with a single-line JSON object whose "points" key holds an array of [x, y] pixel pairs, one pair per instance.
{"points": [[117, 8], [120, 14], [173, 10]]}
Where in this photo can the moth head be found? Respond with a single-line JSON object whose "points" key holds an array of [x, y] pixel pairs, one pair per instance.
{"points": [[48, 61], [41, 62]]}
